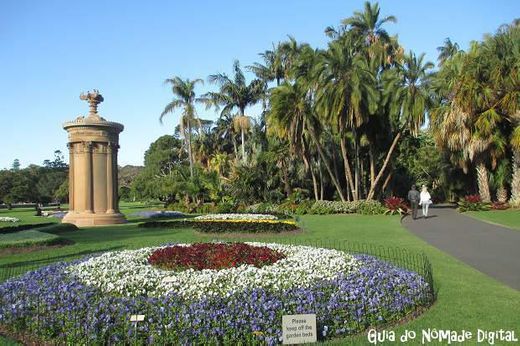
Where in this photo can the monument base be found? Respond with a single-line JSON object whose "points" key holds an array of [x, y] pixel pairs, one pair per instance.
{"points": [[93, 219]]}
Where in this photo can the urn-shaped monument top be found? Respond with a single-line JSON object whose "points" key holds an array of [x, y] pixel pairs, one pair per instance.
{"points": [[93, 146]]}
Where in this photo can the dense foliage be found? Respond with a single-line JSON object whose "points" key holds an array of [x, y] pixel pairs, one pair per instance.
{"points": [[41, 184], [345, 122]]}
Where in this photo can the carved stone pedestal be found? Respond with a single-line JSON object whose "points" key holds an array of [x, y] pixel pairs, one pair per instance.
{"points": [[93, 191]]}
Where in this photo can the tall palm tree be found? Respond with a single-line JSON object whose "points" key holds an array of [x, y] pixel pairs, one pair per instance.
{"points": [[273, 68], [447, 51], [184, 97], [292, 115], [410, 101], [235, 94], [346, 97], [369, 25]]}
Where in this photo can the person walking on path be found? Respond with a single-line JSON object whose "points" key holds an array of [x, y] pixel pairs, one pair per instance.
{"points": [[425, 200], [414, 197]]}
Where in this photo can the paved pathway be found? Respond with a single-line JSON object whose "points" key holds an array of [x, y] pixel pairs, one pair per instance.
{"points": [[492, 249]]}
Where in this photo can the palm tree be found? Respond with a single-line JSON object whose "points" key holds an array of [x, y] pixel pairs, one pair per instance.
{"points": [[447, 51], [292, 115], [345, 97], [273, 68], [409, 103], [369, 25], [235, 94], [184, 97]]}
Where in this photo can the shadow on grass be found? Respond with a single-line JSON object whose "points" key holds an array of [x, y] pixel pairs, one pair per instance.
{"points": [[53, 259]]}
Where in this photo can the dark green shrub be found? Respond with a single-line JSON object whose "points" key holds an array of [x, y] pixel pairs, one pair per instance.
{"points": [[14, 229], [370, 207], [58, 228], [166, 224], [225, 226], [304, 207]]}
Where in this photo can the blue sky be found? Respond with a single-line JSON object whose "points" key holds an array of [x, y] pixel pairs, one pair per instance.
{"points": [[51, 51]]}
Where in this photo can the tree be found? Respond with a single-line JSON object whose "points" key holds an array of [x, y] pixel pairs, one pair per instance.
{"points": [[369, 25], [184, 97], [235, 94], [16, 165], [447, 51], [409, 103]]}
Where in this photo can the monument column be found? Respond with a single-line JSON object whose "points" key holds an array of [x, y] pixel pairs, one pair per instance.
{"points": [[71, 175], [87, 149], [93, 144], [110, 179]]}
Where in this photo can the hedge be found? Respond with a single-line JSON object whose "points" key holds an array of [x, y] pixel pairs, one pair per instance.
{"points": [[224, 226], [14, 229]]}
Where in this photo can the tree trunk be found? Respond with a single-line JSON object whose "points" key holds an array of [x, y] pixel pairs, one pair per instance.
{"points": [[372, 163], [356, 171], [235, 146], [346, 163], [321, 181], [190, 156], [515, 180], [387, 181], [483, 182], [327, 165], [383, 167], [502, 194], [313, 176], [243, 144]]}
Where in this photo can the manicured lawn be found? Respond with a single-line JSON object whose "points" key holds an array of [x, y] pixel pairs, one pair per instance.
{"points": [[30, 237], [467, 299], [509, 218]]}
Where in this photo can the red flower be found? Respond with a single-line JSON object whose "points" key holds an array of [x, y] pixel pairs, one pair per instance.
{"points": [[213, 256]]}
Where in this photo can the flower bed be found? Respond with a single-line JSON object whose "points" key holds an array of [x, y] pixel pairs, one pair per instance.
{"points": [[225, 226], [238, 217], [9, 219], [152, 214], [91, 300]]}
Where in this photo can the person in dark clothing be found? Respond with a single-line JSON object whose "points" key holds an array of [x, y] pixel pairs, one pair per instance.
{"points": [[413, 197]]}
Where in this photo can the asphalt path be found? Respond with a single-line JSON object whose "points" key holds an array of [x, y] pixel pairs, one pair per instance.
{"points": [[492, 249]]}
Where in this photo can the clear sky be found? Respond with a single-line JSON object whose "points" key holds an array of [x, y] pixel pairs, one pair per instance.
{"points": [[51, 51]]}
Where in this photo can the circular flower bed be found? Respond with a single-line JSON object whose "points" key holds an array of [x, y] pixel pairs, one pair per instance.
{"points": [[240, 217], [213, 256], [128, 273], [9, 219], [90, 301]]}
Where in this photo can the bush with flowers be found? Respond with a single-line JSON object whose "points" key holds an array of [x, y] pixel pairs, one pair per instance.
{"points": [[89, 301], [395, 205], [224, 223], [472, 203]]}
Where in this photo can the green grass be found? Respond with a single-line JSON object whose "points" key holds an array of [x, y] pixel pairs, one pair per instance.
{"points": [[26, 238], [508, 218], [467, 299]]}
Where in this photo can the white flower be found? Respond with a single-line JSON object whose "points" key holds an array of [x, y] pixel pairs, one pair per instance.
{"points": [[9, 219], [236, 217], [128, 273]]}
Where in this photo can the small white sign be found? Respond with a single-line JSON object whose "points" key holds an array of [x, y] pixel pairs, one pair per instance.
{"points": [[136, 318], [168, 279], [299, 329]]}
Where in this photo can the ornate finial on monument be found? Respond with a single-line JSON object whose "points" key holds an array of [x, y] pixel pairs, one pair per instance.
{"points": [[94, 98]]}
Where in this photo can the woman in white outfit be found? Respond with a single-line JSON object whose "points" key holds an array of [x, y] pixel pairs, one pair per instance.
{"points": [[425, 200]]}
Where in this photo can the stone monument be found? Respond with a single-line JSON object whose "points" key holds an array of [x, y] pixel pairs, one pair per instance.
{"points": [[93, 144]]}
